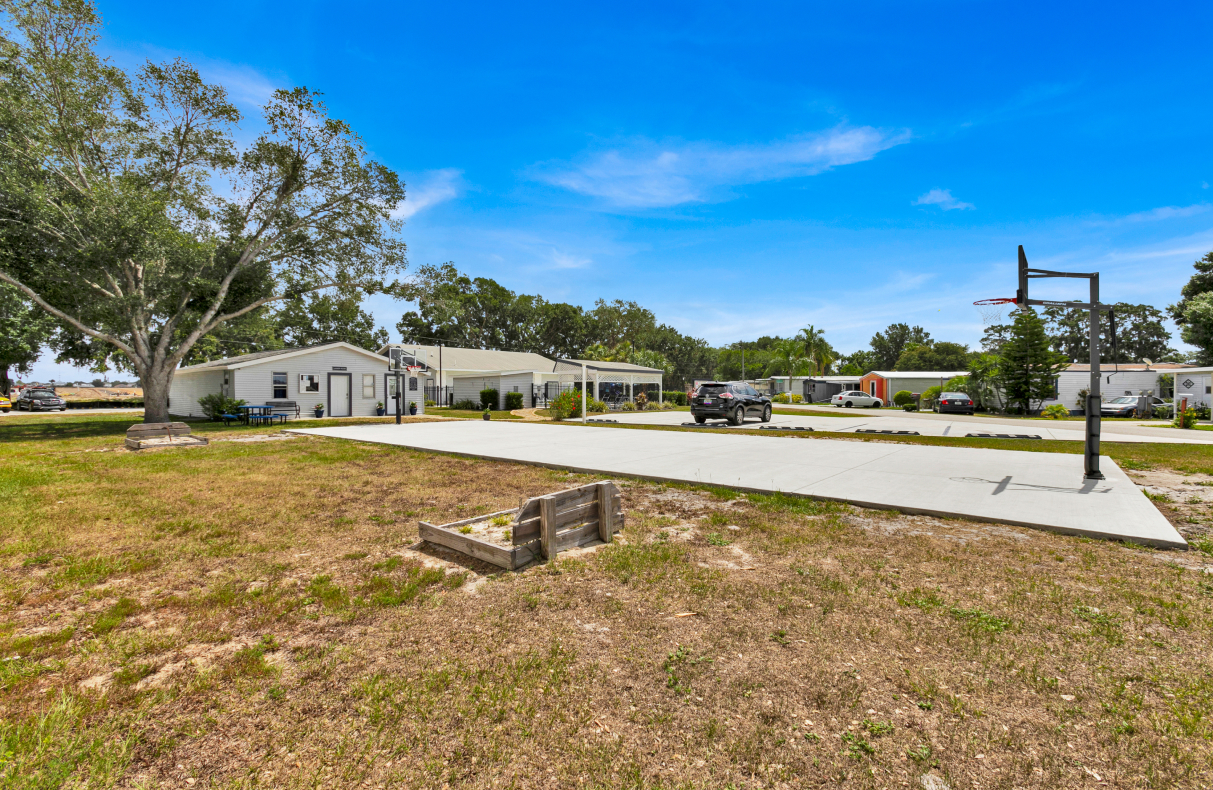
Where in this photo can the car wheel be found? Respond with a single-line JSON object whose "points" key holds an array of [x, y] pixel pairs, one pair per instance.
{"points": [[877, 405], [738, 416], [701, 420], [766, 413], [848, 404]]}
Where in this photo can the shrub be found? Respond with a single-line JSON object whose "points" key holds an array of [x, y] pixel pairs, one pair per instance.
{"points": [[642, 401], [467, 405], [429, 403], [1201, 412], [675, 397], [1185, 419], [910, 407], [595, 406], [666, 406], [930, 396], [797, 398], [565, 406], [513, 400], [781, 398], [488, 398], [628, 406], [1056, 412], [1162, 412], [1081, 400], [216, 405], [903, 398]]}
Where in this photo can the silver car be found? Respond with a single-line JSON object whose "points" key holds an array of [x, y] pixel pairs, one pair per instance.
{"points": [[856, 398]]}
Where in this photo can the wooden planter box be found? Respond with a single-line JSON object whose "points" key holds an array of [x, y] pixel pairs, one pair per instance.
{"points": [[161, 434], [541, 528]]}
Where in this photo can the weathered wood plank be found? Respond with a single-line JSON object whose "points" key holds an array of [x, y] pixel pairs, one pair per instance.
{"points": [[578, 536], [527, 530], [605, 511], [547, 526], [497, 555], [522, 555], [474, 519]]}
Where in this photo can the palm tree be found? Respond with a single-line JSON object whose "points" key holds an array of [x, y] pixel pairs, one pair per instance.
{"points": [[791, 353], [817, 350]]}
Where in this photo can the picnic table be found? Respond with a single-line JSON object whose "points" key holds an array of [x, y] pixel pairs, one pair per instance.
{"points": [[259, 413]]}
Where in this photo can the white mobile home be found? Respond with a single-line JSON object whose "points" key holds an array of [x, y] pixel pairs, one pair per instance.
{"points": [[347, 380], [444, 364]]}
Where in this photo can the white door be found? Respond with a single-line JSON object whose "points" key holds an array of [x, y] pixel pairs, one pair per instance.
{"points": [[339, 395]]}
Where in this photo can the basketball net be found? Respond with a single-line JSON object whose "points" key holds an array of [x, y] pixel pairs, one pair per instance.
{"points": [[992, 309]]}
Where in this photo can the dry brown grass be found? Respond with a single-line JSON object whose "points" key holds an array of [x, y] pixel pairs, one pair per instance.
{"points": [[252, 615]]}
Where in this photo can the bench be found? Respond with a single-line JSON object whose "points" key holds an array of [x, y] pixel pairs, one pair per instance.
{"points": [[228, 418], [283, 409]]}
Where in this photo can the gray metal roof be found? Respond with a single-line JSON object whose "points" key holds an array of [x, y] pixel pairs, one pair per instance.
{"points": [[245, 359], [475, 359], [620, 367]]}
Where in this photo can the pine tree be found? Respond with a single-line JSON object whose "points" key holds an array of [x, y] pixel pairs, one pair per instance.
{"points": [[1029, 368]]}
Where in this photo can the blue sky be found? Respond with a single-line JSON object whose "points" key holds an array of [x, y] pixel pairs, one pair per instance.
{"points": [[749, 169]]}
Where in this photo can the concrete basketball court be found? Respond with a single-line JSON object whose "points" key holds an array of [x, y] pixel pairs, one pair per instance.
{"points": [[1038, 490], [928, 424]]}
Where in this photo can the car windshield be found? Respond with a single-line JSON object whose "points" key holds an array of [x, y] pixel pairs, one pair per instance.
{"points": [[959, 395], [1123, 400], [42, 395], [712, 389]]}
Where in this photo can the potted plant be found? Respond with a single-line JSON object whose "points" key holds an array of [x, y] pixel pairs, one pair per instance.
{"points": [[413, 407], [319, 410], [487, 415], [379, 410]]}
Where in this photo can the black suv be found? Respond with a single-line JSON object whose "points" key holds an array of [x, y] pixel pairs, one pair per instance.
{"points": [[729, 400], [40, 400]]}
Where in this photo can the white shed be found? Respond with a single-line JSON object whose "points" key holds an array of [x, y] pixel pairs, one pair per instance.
{"points": [[347, 380]]}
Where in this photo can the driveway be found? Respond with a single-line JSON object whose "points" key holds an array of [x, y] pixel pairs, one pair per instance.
{"points": [[1040, 490]]}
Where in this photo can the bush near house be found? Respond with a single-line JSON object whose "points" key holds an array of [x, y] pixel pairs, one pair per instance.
{"points": [[216, 405], [488, 398], [566, 405], [466, 405], [782, 397], [513, 400], [1056, 412], [595, 406], [903, 398], [677, 398]]}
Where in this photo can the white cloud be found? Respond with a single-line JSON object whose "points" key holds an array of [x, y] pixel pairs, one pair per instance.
{"points": [[435, 187], [1167, 212], [942, 198], [564, 260], [646, 174]]}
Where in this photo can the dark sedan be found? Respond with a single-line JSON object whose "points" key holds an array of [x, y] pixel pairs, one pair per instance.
{"points": [[40, 400], [954, 403], [729, 400]]}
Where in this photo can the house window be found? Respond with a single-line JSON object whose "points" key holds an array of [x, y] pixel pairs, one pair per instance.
{"points": [[368, 385], [279, 386], [309, 382]]}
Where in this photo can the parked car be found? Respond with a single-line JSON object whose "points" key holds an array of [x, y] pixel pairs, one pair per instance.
{"points": [[1126, 406], [729, 400], [954, 403], [40, 400], [5, 404], [856, 398]]}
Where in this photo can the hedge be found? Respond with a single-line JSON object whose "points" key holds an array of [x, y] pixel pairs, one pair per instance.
{"points": [[488, 399], [105, 404], [675, 397], [513, 400]]}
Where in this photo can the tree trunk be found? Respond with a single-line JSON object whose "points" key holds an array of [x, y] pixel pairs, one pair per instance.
{"points": [[156, 384], [5, 385]]}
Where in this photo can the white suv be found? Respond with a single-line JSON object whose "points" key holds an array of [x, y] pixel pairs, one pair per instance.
{"points": [[856, 398]]}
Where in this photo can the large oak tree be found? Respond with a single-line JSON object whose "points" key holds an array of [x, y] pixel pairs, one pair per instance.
{"points": [[128, 212]]}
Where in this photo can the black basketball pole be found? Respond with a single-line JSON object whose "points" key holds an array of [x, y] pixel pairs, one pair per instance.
{"points": [[398, 397], [1094, 401]]}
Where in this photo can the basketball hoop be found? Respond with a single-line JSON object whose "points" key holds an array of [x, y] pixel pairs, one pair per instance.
{"points": [[991, 309]]}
